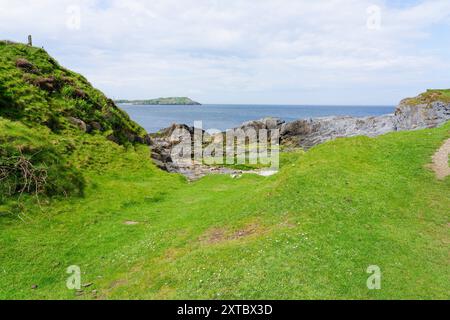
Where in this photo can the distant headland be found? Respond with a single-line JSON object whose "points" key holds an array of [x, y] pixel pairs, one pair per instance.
{"points": [[172, 101]]}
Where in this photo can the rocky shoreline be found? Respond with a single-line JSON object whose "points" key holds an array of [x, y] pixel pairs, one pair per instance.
{"points": [[306, 133]]}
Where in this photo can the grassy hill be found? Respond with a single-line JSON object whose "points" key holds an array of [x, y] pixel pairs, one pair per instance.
{"points": [[429, 96], [137, 232], [45, 109], [162, 101], [36, 90]]}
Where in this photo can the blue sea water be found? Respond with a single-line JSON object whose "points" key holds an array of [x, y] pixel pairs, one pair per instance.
{"points": [[222, 117]]}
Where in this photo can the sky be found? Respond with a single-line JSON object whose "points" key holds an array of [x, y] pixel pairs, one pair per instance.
{"points": [[323, 52]]}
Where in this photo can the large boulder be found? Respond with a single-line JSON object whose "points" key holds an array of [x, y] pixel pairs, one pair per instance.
{"points": [[176, 128], [266, 123], [162, 143]]}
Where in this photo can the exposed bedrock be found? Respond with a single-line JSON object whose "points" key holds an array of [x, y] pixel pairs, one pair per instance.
{"points": [[411, 117], [306, 133]]}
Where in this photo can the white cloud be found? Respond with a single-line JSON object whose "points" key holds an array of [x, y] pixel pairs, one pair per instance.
{"points": [[272, 51]]}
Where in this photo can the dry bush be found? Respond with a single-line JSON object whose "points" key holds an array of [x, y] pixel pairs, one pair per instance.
{"points": [[18, 175]]}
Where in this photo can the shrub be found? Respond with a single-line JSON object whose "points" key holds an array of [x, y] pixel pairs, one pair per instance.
{"points": [[31, 164]]}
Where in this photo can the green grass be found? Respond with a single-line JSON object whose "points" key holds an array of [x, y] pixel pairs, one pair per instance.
{"points": [[428, 97], [250, 159], [309, 232], [23, 98], [46, 155]]}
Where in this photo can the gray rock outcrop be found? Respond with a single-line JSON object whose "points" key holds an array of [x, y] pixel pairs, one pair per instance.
{"points": [[306, 133], [266, 123], [411, 117]]}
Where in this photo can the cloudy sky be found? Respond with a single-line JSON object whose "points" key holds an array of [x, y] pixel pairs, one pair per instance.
{"points": [[359, 52]]}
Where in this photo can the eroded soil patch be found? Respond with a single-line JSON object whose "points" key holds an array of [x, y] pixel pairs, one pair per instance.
{"points": [[219, 235], [440, 161]]}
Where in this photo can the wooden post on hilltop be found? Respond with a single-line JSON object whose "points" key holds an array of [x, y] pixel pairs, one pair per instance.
{"points": [[30, 41]]}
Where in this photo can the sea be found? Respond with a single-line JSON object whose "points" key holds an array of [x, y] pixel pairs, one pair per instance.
{"points": [[223, 116]]}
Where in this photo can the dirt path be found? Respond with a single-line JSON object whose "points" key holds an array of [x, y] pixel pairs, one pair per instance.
{"points": [[440, 161]]}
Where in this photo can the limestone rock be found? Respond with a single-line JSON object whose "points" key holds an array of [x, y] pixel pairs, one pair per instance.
{"points": [[304, 133], [410, 117], [308, 133]]}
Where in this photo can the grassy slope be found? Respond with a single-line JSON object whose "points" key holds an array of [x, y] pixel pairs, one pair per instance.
{"points": [[429, 96], [47, 152], [47, 94], [309, 232]]}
